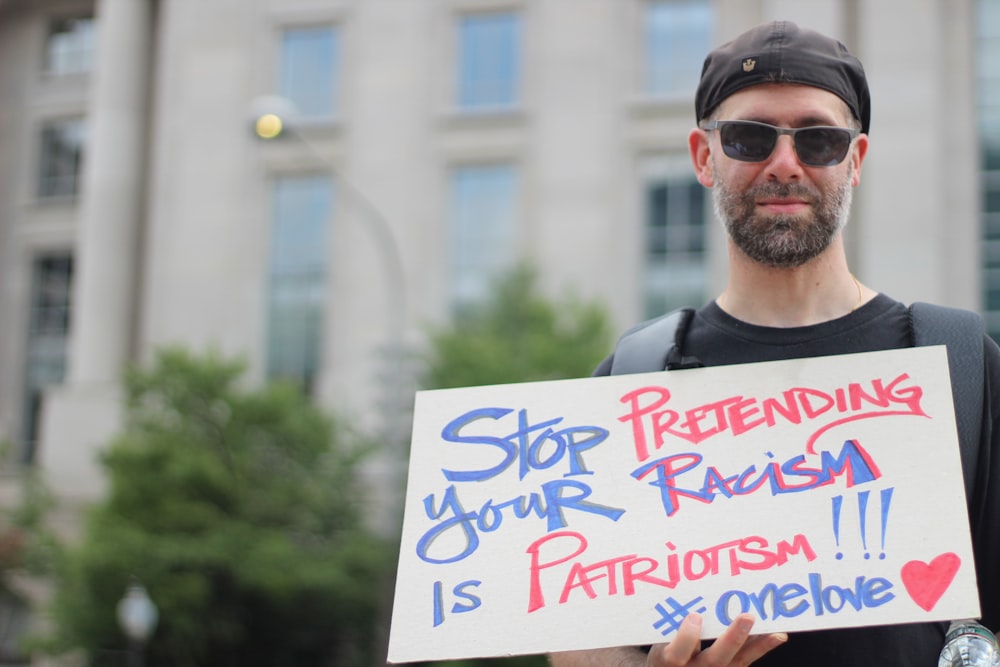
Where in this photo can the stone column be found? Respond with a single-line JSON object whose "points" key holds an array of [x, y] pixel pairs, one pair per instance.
{"points": [[112, 195], [81, 416]]}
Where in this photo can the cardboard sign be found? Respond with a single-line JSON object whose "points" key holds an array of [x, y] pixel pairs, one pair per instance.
{"points": [[812, 493]]}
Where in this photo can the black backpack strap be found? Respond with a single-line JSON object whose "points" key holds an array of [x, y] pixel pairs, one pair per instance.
{"points": [[962, 332], [654, 345]]}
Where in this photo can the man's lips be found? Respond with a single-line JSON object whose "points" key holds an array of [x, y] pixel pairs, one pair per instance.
{"points": [[783, 205]]}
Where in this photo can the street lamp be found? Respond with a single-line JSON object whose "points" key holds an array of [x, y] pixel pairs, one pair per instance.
{"points": [[271, 114], [137, 616], [275, 118]]}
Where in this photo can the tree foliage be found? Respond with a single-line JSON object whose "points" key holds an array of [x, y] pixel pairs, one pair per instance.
{"points": [[241, 512], [28, 550], [518, 335], [27, 547]]}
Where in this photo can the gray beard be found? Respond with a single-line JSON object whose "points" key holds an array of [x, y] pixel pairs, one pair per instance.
{"points": [[783, 241]]}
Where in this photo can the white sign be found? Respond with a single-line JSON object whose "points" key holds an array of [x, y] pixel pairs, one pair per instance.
{"points": [[811, 493]]}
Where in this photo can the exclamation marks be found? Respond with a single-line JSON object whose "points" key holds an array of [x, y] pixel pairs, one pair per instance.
{"points": [[885, 500], [862, 515], [886, 497], [837, 502]]}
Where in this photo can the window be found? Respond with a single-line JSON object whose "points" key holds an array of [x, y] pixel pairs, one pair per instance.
{"points": [[61, 157], [488, 61], [678, 35], [674, 207], [483, 202], [48, 333], [309, 66], [70, 46], [298, 268], [988, 26]]}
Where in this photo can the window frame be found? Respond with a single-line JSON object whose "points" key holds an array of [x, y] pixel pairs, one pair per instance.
{"points": [[471, 277], [330, 109], [49, 181], [47, 341], [81, 45], [988, 108], [672, 277], [512, 95], [286, 274], [681, 80]]}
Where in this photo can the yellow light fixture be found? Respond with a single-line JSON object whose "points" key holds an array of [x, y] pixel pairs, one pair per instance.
{"points": [[268, 126]]}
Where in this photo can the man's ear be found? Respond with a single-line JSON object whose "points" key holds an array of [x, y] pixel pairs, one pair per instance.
{"points": [[701, 156], [858, 157]]}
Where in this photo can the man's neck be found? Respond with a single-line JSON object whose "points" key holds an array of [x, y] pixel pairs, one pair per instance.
{"points": [[821, 290]]}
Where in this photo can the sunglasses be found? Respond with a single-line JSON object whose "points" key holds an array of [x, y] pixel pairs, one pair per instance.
{"points": [[749, 141]]}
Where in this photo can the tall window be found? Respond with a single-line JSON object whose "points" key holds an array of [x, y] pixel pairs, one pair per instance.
{"points": [[48, 333], [298, 277], [489, 67], [484, 213], [70, 46], [309, 68], [674, 203], [988, 25], [678, 34], [61, 157]]}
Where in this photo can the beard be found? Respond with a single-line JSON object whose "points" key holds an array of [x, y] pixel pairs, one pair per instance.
{"points": [[783, 241]]}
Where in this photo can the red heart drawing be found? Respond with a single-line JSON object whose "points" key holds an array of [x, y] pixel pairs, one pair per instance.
{"points": [[926, 583]]}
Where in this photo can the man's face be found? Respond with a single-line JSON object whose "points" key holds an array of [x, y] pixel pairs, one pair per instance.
{"points": [[780, 212]]}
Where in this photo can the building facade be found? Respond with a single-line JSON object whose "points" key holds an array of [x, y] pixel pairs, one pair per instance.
{"points": [[435, 143]]}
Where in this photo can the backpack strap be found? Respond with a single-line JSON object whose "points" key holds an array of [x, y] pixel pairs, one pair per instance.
{"points": [[654, 345], [962, 332]]}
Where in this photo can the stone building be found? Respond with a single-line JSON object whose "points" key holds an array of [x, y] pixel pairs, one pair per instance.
{"points": [[435, 143]]}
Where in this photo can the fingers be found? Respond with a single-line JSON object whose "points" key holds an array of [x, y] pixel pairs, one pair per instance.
{"points": [[725, 648], [682, 649], [757, 646], [734, 648]]}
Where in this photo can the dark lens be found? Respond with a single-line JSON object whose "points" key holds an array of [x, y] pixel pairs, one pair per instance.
{"points": [[748, 142], [822, 146]]}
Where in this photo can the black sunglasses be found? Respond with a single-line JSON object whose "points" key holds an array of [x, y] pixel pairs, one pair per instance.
{"points": [[750, 141]]}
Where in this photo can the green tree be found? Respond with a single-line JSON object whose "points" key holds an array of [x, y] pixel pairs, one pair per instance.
{"points": [[518, 335], [241, 512], [27, 551]]}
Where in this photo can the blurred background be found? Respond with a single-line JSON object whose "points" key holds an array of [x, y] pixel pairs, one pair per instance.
{"points": [[236, 235]]}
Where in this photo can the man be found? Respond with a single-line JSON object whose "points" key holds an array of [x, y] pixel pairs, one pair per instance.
{"points": [[783, 117]]}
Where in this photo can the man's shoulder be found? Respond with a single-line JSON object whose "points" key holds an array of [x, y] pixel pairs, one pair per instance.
{"points": [[604, 368], [649, 345]]}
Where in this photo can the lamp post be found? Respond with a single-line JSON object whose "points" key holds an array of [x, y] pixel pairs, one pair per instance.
{"points": [[137, 616], [274, 118]]}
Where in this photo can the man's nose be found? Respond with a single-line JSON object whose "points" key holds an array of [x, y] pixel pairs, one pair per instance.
{"points": [[783, 165]]}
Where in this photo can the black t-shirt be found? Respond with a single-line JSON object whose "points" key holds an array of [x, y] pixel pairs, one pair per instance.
{"points": [[715, 338], [718, 339]]}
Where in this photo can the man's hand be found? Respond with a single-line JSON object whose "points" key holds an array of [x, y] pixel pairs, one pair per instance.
{"points": [[735, 648]]}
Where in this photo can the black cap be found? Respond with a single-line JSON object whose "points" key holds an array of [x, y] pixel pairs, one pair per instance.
{"points": [[781, 51]]}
